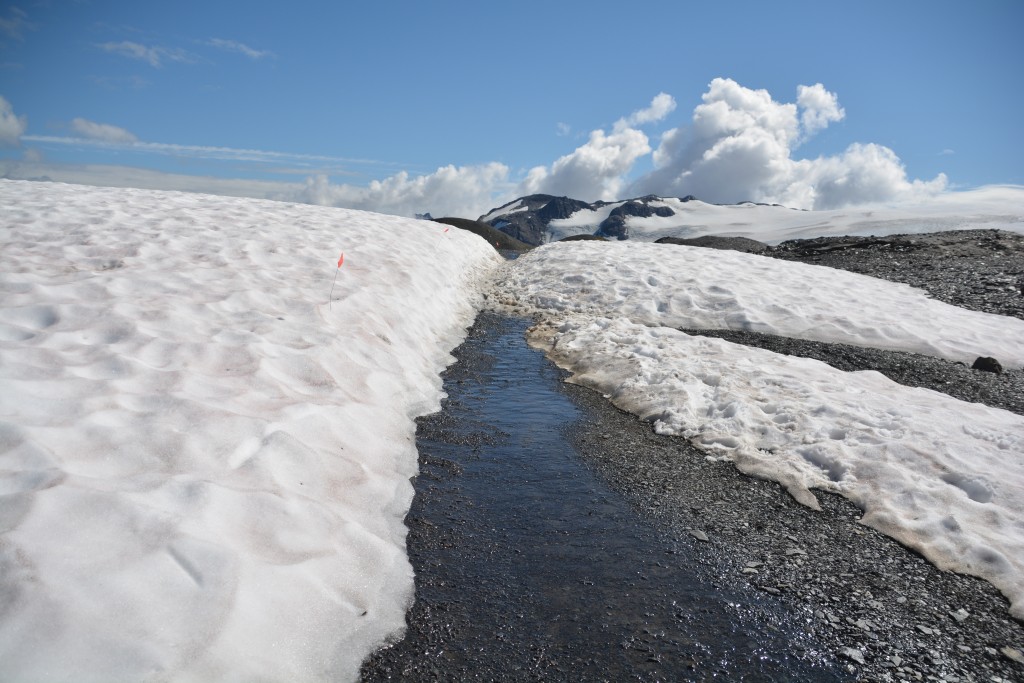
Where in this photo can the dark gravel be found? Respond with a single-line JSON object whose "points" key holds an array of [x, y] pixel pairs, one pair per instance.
{"points": [[982, 270], [880, 607]]}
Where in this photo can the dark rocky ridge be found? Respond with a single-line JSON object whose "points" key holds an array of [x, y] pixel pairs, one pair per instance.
{"points": [[531, 225], [527, 225], [615, 224], [743, 244], [500, 240]]}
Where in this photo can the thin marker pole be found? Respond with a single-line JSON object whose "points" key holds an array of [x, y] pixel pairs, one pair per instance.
{"points": [[330, 301]]}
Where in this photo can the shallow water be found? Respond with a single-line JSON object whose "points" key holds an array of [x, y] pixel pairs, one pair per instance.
{"points": [[530, 567]]}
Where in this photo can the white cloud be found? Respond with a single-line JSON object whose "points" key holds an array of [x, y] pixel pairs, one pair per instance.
{"points": [[155, 56], [466, 191], [595, 170], [739, 147], [662, 105], [240, 48], [818, 107], [864, 173], [103, 132], [12, 127], [563, 129], [308, 161], [33, 167]]}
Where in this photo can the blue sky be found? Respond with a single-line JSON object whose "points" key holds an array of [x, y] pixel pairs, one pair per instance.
{"points": [[362, 104]]}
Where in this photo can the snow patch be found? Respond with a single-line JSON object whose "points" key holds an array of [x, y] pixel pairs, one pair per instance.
{"points": [[941, 476]]}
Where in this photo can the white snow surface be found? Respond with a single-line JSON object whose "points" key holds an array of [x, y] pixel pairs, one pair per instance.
{"points": [[940, 475], [694, 287], [204, 465], [998, 206]]}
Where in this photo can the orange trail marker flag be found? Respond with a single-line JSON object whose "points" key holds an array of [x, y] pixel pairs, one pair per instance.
{"points": [[341, 259]]}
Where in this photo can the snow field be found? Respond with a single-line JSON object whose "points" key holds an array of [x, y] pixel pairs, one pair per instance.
{"points": [[991, 207], [204, 466]]}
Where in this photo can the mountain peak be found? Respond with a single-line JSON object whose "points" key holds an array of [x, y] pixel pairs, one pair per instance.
{"points": [[528, 218]]}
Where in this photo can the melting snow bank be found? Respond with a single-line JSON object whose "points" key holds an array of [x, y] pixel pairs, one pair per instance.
{"points": [[204, 466], [942, 476], [692, 287]]}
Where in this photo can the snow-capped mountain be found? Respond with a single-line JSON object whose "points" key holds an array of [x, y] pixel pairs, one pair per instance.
{"points": [[540, 218]]}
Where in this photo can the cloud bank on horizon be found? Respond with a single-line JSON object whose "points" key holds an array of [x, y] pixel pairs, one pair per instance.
{"points": [[740, 145]]}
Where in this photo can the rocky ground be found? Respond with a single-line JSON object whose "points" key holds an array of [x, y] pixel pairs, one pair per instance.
{"points": [[889, 613], [982, 270], [883, 609]]}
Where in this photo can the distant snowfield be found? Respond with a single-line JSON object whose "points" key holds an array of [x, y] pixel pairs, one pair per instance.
{"points": [[993, 207], [942, 476], [204, 466]]}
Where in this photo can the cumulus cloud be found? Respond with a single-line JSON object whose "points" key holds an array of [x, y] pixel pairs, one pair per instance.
{"points": [[449, 191], [597, 169], [155, 56], [240, 48], [102, 132], [862, 174], [12, 127], [740, 147], [818, 108], [592, 171], [662, 105]]}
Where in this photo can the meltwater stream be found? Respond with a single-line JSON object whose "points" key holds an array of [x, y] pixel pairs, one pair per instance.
{"points": [[529, 567]]}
